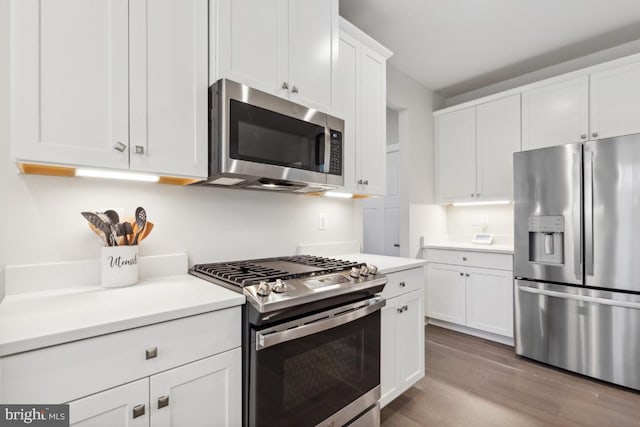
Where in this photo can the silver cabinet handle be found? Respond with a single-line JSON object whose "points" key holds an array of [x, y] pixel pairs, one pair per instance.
{"points": [[138, 411], [464, 258], [583, 136], [294, 89], [139, 149], [359, 181], [467, 275], [462, 274], [285, 85], [309, 325], [477, 194], [472, 195], [163, 401], [366, 182], [402, 284], [151, 353], [594, 134], [119, 146], [399, 310]]}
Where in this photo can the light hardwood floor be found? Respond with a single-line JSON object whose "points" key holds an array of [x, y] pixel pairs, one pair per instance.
{"points": [[473, 382]]}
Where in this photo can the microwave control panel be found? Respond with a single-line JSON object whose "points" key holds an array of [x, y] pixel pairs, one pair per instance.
{"points": [[335, 158]]}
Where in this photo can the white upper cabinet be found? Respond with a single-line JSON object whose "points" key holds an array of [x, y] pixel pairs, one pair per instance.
{"points": [[497, 138], [115, 84], [456, 141], [615, 102], [69, 82], [169, 86], [555, 114], [283, 47], [359, 95]]}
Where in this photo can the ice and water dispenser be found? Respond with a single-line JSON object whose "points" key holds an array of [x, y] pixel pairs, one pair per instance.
{"points": [[546, 239]]}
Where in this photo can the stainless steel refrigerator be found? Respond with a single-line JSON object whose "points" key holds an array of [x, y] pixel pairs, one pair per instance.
{"points": [[577, 257]]}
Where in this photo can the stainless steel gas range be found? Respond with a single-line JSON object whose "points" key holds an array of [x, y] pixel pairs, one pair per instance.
{"points": [[311, 339]]}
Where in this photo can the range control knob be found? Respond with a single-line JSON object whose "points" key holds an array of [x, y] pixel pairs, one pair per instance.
{"points": [[373, 270], [263, 289], [364, 271], [279, 286], [355, 272]]}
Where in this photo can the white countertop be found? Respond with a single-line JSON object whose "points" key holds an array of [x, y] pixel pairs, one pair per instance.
{"points": [[385, 264], [500, 248], [40, 319]]}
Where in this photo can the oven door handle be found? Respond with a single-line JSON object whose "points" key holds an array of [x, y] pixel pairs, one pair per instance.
{"points": [[305, 329]]}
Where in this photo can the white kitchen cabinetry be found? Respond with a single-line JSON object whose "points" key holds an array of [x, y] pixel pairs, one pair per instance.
{"points": [[185, 372], [402, 333], [282, 47], [475, 151], [111, 84], [471, 289], [360, 98], [615, 102], [555, 114]]}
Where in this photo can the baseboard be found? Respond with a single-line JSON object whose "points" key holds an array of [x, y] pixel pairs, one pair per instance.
{"points": [[470, 331]]}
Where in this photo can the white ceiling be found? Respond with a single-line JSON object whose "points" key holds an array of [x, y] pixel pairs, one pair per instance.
{"points": [[455, 46]]}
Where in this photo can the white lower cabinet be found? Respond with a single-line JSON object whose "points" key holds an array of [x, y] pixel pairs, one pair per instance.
{"points": [[183, 372], [402, 334], [471, 289]]}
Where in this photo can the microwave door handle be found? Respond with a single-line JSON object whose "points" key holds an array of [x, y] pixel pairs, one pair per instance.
{"points": [[270, 339], [327, 149]]}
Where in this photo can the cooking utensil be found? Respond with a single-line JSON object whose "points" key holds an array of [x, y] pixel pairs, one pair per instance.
{"points": [[99, 223], [99, 233], [147, 230], [127, 231], [141, 221], [114, 223]]}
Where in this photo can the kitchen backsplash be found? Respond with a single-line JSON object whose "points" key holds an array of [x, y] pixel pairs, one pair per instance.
{"points": [[499, 222]]}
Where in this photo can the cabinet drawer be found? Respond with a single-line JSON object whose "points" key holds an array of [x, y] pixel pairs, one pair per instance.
{"points": [[405, 281], [68, 371], [471, 259]]}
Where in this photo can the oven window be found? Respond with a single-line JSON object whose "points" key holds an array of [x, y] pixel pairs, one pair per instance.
{"points": [[263, 136], [304, 381]]}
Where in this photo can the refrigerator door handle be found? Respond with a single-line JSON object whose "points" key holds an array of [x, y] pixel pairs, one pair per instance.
{"points": [[577, 216], [595, 300], [588, 212]]}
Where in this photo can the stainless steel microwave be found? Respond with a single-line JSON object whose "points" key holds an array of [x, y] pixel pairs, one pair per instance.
{"points": [[263, 142]]}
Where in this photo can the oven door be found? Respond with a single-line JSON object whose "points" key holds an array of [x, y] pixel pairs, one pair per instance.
{"points": [[322, 369]]}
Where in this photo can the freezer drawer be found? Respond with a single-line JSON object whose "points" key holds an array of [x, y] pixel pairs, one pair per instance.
{"points": [[591, 332]]}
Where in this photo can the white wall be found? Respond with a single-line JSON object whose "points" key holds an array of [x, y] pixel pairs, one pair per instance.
{"points": [[393, 132], [417, 150], [41, 220]]}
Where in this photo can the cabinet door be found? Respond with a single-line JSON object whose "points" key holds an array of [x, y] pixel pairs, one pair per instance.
{"points": [[113, 407], [490, 300], [615, 102], [253, 39], [69, 82], [555, 114], [169, 86], [497, 138], [456, 145], [411, 333], [344, 95], [446, 293], [313, 45], [202, 393], [371, 147], [389, 351]]}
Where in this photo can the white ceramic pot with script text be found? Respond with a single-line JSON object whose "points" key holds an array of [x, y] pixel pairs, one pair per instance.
{"points": [[119, 266]]}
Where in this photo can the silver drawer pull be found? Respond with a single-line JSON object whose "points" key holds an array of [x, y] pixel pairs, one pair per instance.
{"points": [[119, 146], [138, 411], [163, 401], [151, 353], [402, 284]]}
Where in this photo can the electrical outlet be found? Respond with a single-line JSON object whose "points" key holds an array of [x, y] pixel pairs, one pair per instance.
{"points": [[323, 223]]}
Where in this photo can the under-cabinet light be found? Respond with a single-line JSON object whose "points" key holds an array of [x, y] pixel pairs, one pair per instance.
{"points": [[498, 202], [99, 173], [340, 195]]}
